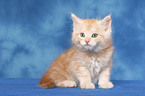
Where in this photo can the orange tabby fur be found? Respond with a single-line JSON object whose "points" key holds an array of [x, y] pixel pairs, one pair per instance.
{"points": [[84, 64]]}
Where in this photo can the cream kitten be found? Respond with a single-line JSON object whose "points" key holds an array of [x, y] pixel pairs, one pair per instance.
{"points": [[89, 60]]}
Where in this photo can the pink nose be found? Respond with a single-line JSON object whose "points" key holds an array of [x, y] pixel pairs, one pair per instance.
{"points": [[87, 41]]}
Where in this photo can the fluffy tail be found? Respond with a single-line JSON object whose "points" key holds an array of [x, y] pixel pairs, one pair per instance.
{"points": [[47, 82]]}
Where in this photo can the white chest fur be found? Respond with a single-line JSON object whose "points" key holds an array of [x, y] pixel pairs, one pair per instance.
{"points": [[94, 66], [94, 62]]}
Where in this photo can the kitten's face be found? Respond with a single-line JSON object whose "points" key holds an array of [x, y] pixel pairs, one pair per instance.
{"points": [[90, 34]]}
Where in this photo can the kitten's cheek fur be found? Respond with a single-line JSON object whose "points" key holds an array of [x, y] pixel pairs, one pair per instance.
{"points": [[83, 44]]}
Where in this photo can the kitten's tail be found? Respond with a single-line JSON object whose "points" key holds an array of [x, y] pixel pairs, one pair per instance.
{"points": [[47, 82]]}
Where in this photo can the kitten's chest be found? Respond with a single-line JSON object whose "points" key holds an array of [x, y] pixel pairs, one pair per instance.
{"points": [[95, 65]]}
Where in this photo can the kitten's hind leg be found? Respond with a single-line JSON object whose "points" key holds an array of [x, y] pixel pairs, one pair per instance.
{"points": [[67, 83]]}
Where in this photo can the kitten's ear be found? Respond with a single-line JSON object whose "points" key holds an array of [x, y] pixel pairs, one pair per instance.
{"points": [[106, 22], [75, 19]]}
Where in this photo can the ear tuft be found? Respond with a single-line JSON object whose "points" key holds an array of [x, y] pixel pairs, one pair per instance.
{"points": [[106, 22], [75, 19]]}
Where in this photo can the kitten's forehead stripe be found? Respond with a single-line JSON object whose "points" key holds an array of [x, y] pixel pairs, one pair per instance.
{"points": [[90, 23]]}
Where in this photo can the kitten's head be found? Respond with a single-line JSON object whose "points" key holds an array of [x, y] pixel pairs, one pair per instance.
{"points": [[91, 34]]}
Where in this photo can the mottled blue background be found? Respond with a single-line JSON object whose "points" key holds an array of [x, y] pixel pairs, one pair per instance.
{"points": [[34, 32]]}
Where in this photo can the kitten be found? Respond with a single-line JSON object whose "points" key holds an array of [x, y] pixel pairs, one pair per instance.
{"points": [[89, 60]]}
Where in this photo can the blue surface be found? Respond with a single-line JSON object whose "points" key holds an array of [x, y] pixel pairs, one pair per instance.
{"points": [[28, 87], [34, 32]]}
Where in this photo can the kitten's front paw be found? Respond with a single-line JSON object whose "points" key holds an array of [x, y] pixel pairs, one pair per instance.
{"points": [[87, 85], [106, 85]]}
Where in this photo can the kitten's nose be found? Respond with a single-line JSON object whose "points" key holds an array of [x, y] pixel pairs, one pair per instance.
{"points": [[87, 41]]}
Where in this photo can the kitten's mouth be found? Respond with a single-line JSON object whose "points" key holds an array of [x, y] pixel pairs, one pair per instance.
{"points": [[87, 45]]}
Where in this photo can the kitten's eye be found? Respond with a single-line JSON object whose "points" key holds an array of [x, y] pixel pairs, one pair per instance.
{"points": [[94, 35], [82, 34]]}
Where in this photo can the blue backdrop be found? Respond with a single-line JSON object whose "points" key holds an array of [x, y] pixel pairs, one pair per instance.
{"points": [[34, 32]]}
